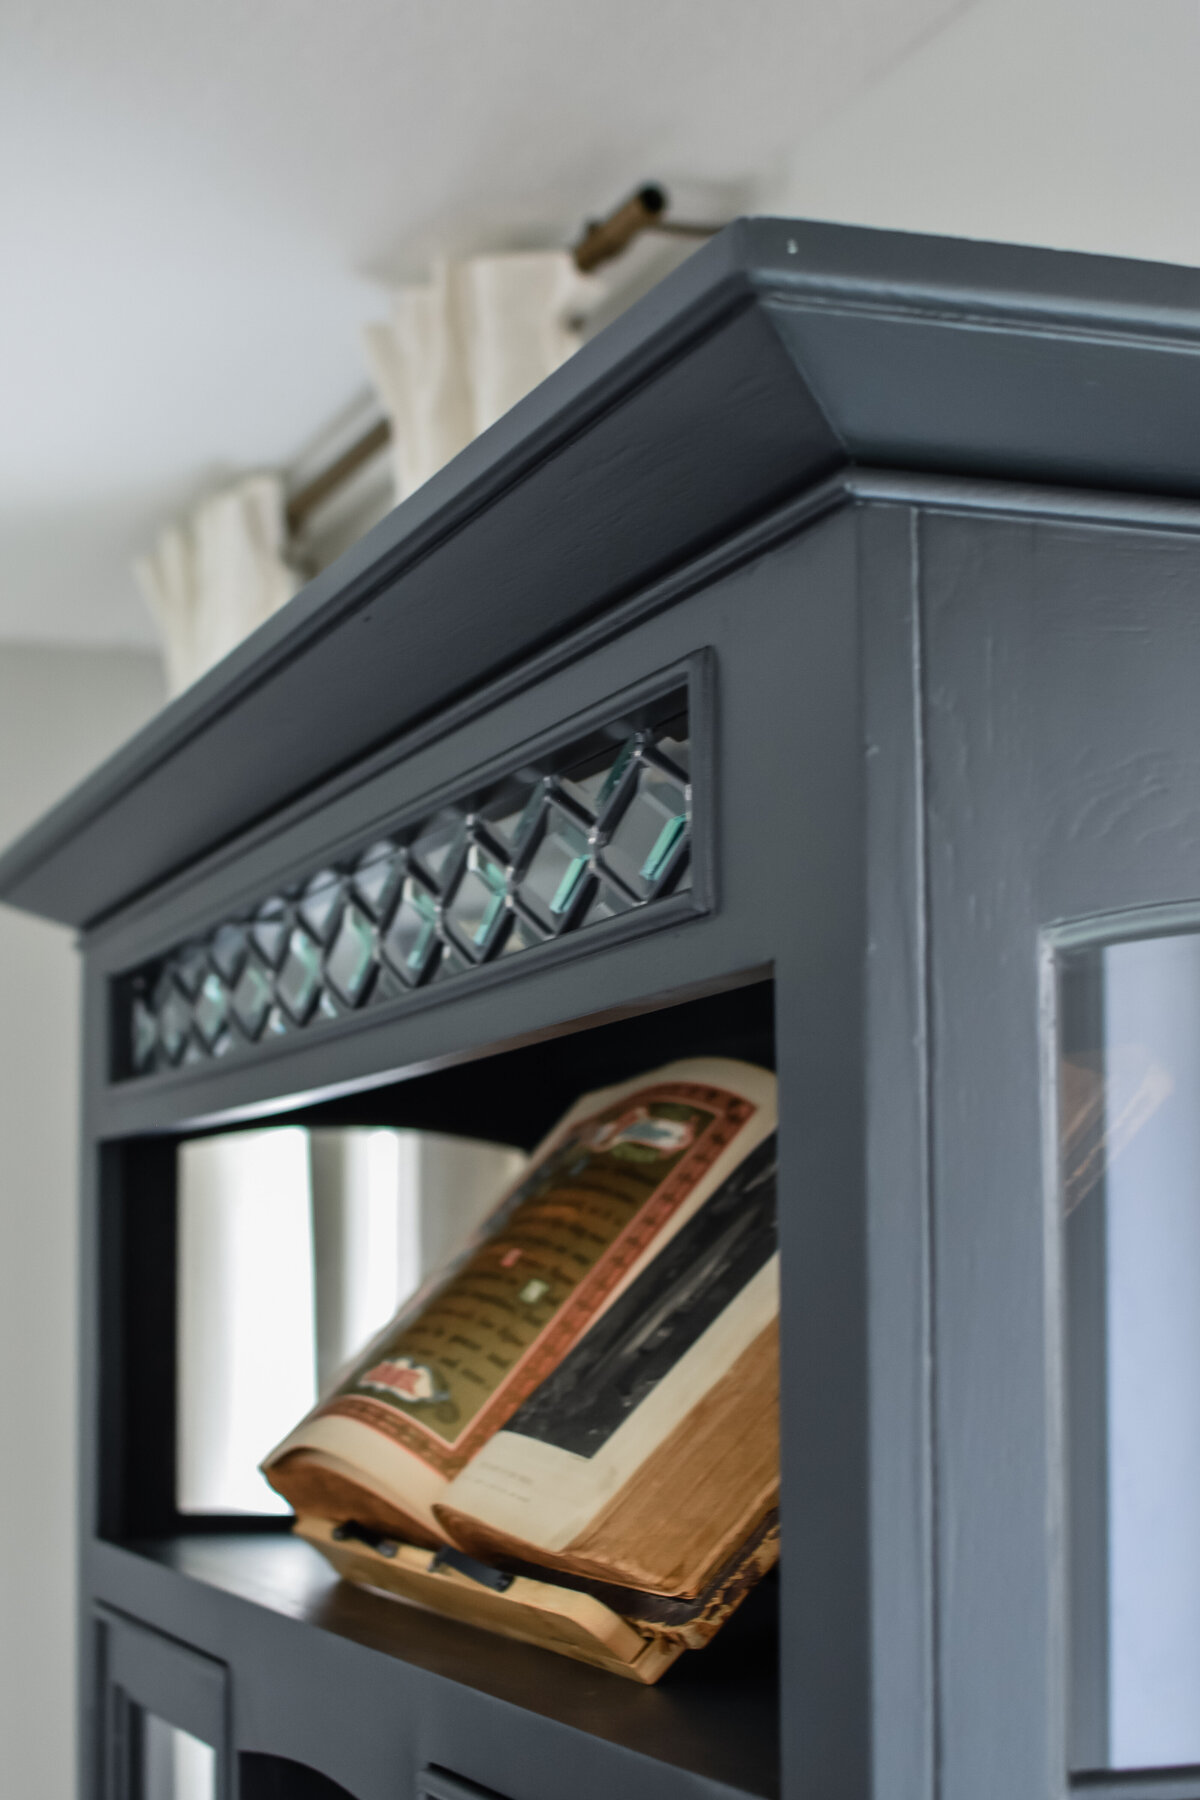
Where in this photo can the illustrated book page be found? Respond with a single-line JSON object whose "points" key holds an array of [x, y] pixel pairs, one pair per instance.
{"points": [[613, 1185]]}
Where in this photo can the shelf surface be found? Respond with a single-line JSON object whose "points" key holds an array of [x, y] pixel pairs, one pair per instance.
{"points": [[715, 1713]]}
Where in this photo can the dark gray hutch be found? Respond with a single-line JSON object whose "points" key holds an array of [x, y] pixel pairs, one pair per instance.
{"points": [[901, 537]]}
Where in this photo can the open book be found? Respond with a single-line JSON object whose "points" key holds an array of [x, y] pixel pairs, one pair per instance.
{"points": [[589, 1392]]}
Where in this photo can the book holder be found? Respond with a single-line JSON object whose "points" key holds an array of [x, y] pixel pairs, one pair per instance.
{"points": [[535, 1612]]}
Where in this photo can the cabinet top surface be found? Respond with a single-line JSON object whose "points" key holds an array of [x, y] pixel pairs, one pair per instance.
{"points": [[779, 356]]}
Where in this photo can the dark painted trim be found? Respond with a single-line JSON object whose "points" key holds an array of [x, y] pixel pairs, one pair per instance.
{"points": [[1138, 1784], [1021, 499], [896, 1075], [779, 353]]}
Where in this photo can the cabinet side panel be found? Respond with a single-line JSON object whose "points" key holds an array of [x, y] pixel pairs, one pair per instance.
{"points": [[901, 1520], [806, 727], [997, 1519]]}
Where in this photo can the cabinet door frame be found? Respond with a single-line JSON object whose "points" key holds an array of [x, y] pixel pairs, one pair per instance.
{"points": [[142, 1671], [1062, 804]]}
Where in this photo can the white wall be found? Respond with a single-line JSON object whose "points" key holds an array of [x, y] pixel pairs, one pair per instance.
{"points": [[61, 711], [1071, 123]]}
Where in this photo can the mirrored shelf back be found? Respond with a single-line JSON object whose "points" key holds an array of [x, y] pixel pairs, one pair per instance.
{"points": [[599, 826]]}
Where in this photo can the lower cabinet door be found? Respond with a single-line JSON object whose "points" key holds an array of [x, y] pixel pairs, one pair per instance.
{"points": [[165, 1713], [439, 1784]]}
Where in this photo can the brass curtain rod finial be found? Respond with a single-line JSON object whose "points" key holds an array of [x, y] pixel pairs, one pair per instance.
{"points": [[605, 238]]}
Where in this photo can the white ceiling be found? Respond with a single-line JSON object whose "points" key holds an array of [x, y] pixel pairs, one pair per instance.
{"points": [[1072, 123], [201, 203]]}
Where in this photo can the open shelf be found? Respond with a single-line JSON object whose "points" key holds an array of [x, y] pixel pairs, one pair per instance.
{"points": [[715, 1713]]}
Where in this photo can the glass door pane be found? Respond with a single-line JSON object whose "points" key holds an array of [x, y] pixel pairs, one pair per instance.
{"points": [[1129, 1112], [174, 1764]]}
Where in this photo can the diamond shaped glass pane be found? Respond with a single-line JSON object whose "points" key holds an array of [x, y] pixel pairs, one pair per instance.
{"points": [[450, 963], [278, 1024], [579, 837], [553, 877], [351, 963], [440, 846], [514, 827], [174, 1020], [475, 911], [523, 936], [298, 983], [377, 877], [144, 1035], [228, 950], [270, 932], [412, 936], [252, 998], [648, 838], [319, 904], [211, 1008], [595, 788], [677, 751], [189, 966], [606, 903], [387, 985]]}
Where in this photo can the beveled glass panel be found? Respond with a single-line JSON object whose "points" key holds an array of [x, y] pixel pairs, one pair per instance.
{"points": [[450, 963], [278, 1023], [211, 1007], [228, 950], [440, 845], [677, 751], [593, 785], [145, 1035], [554, 874], [299, 981], [476, 910], [513, 820], [351, 962], [411, 941], [174, 1020], [1129, 1118], [522, 934], [606, 902], [377, 877], [191, 966], [270, 931], [319, 904], [252, 998], [651, 833], [598, 827]]}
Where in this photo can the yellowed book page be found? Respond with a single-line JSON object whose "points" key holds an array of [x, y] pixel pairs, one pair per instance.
{"points": [[618, 1178], [548, 1497]]}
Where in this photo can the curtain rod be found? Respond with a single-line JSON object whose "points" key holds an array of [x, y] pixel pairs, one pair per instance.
{"points": [[307, 499], [646, 210], [601, 241]]}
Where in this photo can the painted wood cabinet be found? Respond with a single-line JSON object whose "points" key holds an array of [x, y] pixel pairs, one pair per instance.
{"points": [[882, 554]]}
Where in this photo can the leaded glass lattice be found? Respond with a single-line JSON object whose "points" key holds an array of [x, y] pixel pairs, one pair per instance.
{"points": [[591, 832]]}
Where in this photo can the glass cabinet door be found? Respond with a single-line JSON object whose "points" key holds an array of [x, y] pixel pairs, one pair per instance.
{"points": [[165, 1716], [1129, 1119], [1061, 663]]}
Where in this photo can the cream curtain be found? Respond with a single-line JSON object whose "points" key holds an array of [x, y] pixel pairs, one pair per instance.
{"points": [[217, 574], [457, 352]]}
